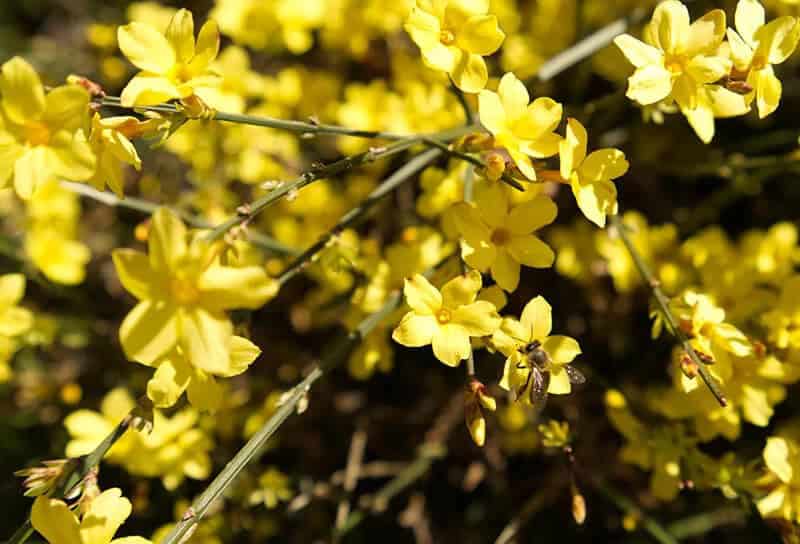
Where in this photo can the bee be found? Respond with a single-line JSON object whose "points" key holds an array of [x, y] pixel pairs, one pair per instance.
{"points": [[538, 362]]}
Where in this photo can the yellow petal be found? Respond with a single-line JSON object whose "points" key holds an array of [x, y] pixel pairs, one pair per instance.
{"points": [[146, 48], [424, 28], [749, 17], [514, 96], [491, 112], [243, 353], [523, 162], [477, 319], [543, 115], [66, 106], [530, 216], [10, 151], [637, 52], [596, 199], [670, 24], [776, 456], [451, 345], [134, 272], [167, 241], [106, 513], [168, 382], [207, 46], [207, 395], [55, 521], [778, 39], [572, 149], [479, 257], [492, 204], [22, 91], [421, 296], [225, 287], [701, 119], [649, 84], [461, 290], [15, 321], [559, 382], [415, 330], [70, 156], [537, 318], [147, 90], [542, 147], [706, 33], [768, 93], [205, 338], [480, 35], [708, 69], [531, 251], [469, 72], [12, 289], [561, 349], [440, 57], [773, 503], [149, 331], [31, 171], [604, 164], [741, 52], [505, 270], [180, 35]]}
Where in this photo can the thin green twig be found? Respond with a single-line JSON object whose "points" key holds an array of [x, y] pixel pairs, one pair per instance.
{"points": [[663, 304], [649, 524], [472, 159]]}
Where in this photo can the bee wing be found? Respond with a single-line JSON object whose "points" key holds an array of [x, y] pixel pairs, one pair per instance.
{"points": [[575, 375], [538, 389]]}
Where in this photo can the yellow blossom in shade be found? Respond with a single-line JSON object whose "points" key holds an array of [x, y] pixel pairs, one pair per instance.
{"points": [[755, 46], [535, 324], [13, 319], [782, 457], [184, 292], [273, 487], [680, 62], [499, 238], [590, 177], [41, 136], [454, 36], [445, 319], [172, 63], [524, 130], [58, 524], [174, 375], [110, 140]]}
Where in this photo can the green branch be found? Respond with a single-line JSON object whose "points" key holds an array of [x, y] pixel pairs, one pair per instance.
{"points": [[663, 305]]}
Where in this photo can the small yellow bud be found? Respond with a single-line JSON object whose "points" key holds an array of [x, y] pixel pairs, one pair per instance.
{"points": [[578, 507]]}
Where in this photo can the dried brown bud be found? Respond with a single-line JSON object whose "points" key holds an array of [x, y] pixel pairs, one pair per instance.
{"points": [[688, 366]]}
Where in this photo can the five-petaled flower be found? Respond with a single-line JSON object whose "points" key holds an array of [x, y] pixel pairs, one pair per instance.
{"points": [[590, 176], [173, 65], [524, 130], [184, 292], [446, 319], [454, 36]]}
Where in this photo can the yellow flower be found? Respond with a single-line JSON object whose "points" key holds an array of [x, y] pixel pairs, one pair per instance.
{"points": [[590, 176], [782, 457], [535, 324], [454, 36], [756, 46], [54, 520], [499, 238], [679, 63], [40, 133], [273, 487], [110, 140], [445, 319], [172, 64], [14, 320], [524, 130], [184, 293]]}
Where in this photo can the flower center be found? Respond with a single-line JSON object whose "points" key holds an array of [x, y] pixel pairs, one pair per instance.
{"points": [[183, 291], [501, 236], [183, 73], [675, 63], [759, 62], [37, 133], [443, 316], [447, 37]]}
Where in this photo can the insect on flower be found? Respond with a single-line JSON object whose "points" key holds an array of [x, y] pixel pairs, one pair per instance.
{"points": [[538, 362]]}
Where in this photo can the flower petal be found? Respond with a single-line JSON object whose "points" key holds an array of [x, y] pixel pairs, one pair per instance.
{"points": [[169, 382], [54, 520], [768, 93], [134, 272], [537, 317], [180, 35], [706, 33], [777, 458], [12, 289], [424, 28], [749, 17], [22, 91], [461, 290], [225, 287], [469, 72], [596, 199], [778, 39], [478, 319], [205, 394], [514, 96], [531, 251], [532, 215], [451, 344], [31, 171], [572, 149], [421, 296], [561, 349], [670, 26], [559, 382], [415, 330], [149, 331], [649, 84], [167, 241], [207, 47], [146, 47], [147, 90], [491, 111], [106, 513], [480, 35], [505, 270], [604, 164], [637, 52], [204, 338], [243, 353]]}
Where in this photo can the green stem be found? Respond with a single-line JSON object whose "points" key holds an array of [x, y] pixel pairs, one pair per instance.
{"points": [[390, 184], [248, 211], [663, 304], [146, 207], [656, 530], [334, 356], [472, 159]]}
